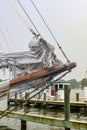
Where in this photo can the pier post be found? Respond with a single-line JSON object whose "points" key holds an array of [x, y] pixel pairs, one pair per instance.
{"points": [[8, 101], [26, 98], [44, 100], [23, 125], [67, 105], [77, 97], [15, 100]]}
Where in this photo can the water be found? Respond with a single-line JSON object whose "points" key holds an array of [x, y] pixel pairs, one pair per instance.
{"points": [[15, 124]]}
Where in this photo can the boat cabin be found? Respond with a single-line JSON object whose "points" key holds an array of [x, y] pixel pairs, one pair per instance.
{"points": [[56, 91]]}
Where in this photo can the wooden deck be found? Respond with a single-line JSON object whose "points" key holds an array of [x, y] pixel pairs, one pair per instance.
{"points": [[54, 121], [59, 122], [49, 102]]}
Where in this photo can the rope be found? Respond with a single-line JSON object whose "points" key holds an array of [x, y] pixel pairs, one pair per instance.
{"points": [[30, 20], [20, 15], [8, 32], [27, 25], [50, 31], [22, 18], [4, 38], [40, 87], [47, 84]]}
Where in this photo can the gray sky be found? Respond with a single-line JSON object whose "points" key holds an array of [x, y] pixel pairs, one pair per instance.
{"points": [[67, 20]]}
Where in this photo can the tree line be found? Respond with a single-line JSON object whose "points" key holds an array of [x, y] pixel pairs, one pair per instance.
{"points": [[77, 84]]}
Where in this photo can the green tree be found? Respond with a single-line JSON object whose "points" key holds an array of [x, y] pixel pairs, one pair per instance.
{"points": [[74, 83], [84, 82]]}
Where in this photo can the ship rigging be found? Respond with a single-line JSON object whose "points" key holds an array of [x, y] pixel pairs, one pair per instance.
{"points": [[37, 67]]}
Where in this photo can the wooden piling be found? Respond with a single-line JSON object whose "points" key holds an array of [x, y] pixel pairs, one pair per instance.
{"points": [[23, 125], [15, 100], [77, 97], [26, 98], [8, 99], [67, 104], [44, 100]]}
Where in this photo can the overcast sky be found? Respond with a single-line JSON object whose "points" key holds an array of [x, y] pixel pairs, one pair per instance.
{"points": [[67, 20]]}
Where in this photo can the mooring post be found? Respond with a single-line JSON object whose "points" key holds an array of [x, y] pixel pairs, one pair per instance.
{"points": [[8, 101], [44, 100], [77, 97], [15, 99], [26, 98], [23, 125], [67, 105]]}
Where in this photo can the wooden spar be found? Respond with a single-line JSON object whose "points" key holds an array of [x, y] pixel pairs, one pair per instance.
{"points": [[53, 71]]}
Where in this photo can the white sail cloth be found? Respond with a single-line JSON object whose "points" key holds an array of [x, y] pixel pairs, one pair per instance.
{"points": [[39, 56]]}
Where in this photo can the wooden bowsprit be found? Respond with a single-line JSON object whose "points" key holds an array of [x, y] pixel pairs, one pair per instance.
{"points": [[53, 71], [53, 74]]}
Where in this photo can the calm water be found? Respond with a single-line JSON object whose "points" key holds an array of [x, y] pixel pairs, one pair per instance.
{"points": [[15, 124]]}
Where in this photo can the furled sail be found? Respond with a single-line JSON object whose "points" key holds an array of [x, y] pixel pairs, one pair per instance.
{"points": [[39, 56], [37, 65]]}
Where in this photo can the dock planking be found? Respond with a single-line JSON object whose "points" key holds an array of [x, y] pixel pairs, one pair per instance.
{"points": [[59, 122], [54, 121], [50, 102]]}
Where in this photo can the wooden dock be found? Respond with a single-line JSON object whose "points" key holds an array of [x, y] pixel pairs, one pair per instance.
{"points": [[67, 123], [59, 122], [40, 101], [48, 102]]}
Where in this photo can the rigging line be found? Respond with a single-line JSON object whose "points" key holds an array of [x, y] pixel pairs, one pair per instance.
{"points": [[50, 32], [8, 111], [4, 39], [8, 32], [49, 83], [20, 15], [36, 102], [1, 46], [30, 20]]}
